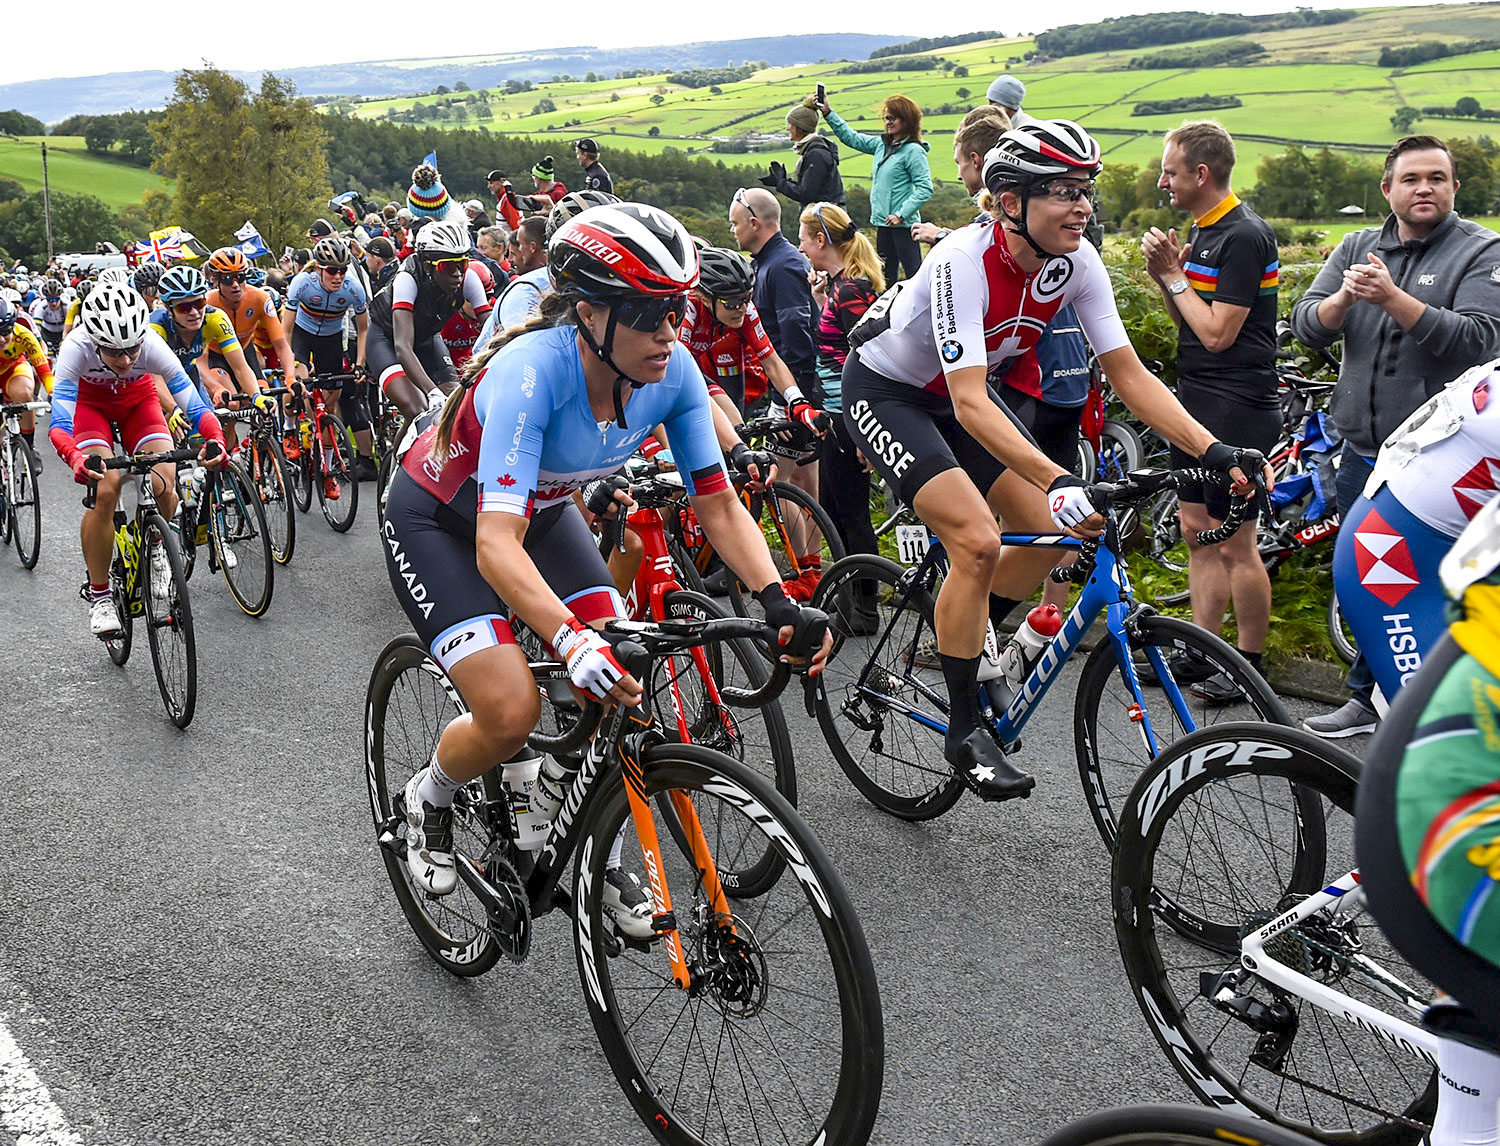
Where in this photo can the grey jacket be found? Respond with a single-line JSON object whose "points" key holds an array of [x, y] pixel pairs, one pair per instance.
{"points": [[1388, 372]]}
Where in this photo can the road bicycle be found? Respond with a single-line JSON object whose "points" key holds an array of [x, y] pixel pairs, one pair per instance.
{"points": [[1163, 1125], [1243, 928], [882, 704], [325, 462], [20, 503], [220, 509], [749, 1018], [264, 461], [168, 620]]}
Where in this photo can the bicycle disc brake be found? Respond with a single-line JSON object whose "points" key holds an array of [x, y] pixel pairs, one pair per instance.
{"points": [[510, 916], [732, 967]]}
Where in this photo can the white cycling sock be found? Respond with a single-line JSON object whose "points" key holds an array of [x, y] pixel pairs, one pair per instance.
{"points": [[436, 787], [1468, 1111], [614, 851]]}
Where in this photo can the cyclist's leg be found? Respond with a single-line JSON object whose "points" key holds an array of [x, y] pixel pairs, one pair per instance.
{"points": [[386, 369], [93, 432], [18, 386], [144, 431]]}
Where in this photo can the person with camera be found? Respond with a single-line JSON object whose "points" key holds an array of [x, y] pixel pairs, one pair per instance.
{"points": [[595, 177], [817, 179]]}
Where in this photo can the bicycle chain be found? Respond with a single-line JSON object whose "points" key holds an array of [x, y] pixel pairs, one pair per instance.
{"points": [[1423, 1127]]}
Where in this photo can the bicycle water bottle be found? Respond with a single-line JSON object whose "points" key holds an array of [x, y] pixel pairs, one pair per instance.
{"points": [[519, 778], [551, 788], [1039, 627], [191, 481]]}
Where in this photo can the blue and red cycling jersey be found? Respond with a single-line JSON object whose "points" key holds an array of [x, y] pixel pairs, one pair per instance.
{"points": [[321, 311]]}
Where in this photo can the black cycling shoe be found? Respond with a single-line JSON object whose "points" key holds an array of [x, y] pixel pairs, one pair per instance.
{"points": [[1186, 665], [716, 583], [983, 767], [364, 469], [1218, 690]]}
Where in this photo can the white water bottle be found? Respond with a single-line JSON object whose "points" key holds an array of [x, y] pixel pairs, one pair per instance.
{"points": [[1039, 627], [519, 777], [190, 483], [551, 787]]}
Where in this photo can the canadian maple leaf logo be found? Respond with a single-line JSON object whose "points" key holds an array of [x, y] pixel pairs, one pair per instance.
{"points": [[507, 480]]}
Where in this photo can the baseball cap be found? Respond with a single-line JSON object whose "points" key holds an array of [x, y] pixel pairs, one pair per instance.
{"points": [[381, 247], [320, 229], [473, 205], [588, 146], [496, 176]]}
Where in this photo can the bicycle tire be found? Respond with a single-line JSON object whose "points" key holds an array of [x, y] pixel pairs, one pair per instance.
{"points": [[1107, 740], [336, 462], [7, 517], [1253, 783], [1120, 451], [174, 651], [756, 738], [919, 784], [1339, 636], [119, 647], [300, 471], [237, 525], [682, 565], [1162, 1125], [273, 485], [407, 702], [25, 509], [821, 957], [807, 509]]}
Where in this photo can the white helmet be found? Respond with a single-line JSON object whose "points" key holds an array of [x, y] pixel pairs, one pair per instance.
{"points": [[115, 316], [23, 285], [445, 238], [11, 295], [114, 275]]}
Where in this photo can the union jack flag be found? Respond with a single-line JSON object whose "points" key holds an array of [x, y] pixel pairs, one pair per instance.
{"points": [[159, 250]]}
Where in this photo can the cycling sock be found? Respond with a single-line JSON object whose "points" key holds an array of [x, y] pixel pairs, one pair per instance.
{"points": [[30, 437], [98, 592], [615, 849], [961, 674], [1000, 608], [436, 787], [1467, 1112], [1254, 659]]}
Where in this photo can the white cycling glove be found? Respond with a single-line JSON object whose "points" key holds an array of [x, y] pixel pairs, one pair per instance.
{"points": [[1068, 499], [591, 662], [435, 399]]}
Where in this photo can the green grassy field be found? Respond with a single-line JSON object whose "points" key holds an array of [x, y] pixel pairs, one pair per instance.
{"points": [[72, 170]]}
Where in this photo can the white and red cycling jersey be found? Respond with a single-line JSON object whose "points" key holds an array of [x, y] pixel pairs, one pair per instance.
{"points": [[730, 357], [971, 304]]}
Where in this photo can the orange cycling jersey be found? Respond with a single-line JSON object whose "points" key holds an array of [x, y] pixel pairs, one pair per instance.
{"points": [[23, 347], [255, 318]]}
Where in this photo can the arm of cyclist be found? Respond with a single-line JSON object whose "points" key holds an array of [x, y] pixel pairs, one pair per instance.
{"points": [[799, 408], [758, 467], [200, 418], [245, 377], [361, 332]]}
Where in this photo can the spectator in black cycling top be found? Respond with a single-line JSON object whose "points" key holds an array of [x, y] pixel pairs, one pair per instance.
{"points": [[1220, 292], [406, 354], [817, 179], [595, 177]]}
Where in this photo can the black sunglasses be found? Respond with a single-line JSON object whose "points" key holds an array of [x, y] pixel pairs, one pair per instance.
{"points": [[647, 314]]}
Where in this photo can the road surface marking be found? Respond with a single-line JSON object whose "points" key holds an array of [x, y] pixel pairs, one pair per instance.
{"points": [[26, 1107]]}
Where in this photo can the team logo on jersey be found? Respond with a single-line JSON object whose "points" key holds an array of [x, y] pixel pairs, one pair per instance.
{"points": [[505, 481], [952, 351], [1048, 282], [1385, 566], [1475, 488]]}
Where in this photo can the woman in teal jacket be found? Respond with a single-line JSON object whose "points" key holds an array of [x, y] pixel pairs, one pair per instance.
{"points": [[901, 181]]}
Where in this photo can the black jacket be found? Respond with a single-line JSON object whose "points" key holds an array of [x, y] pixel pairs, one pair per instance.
{"points": [[817, 179]]}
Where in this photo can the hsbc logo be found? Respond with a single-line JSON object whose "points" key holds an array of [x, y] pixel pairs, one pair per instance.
{"points": [[1385, 564], [1474, 489]]}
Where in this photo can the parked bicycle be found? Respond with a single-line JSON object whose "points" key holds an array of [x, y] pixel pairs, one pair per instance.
{"points": [[747, 1018]]}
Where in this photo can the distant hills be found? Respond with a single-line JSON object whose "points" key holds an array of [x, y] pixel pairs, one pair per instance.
{"points": [[53, 100]]}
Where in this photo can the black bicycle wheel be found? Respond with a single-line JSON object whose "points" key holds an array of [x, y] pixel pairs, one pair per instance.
{"points": [[1157, 1125], [781, 1037], [1234, 826], [682, 565], [407, 704], [1164, 532], [881, 700], [796, 527], [7, 515], [1339, 634], [242, 544], [1108, 732], [1120, 451], [125, 601], [25, 507], [299, 472], [756, 737], [267, 467], [333, 470], [169, 625]]}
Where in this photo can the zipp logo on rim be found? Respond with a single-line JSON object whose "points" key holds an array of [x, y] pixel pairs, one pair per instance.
{"points": [[1221, 754]]}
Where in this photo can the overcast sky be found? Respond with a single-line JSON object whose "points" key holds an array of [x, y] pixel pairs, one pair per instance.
{"points": [[96, 39]]}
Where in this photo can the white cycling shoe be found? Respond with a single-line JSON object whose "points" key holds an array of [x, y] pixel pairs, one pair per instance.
{"points": [[429, 843], [104, 619], [626, 903]]}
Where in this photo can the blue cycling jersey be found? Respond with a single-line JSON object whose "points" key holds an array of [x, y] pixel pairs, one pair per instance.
{"points": [[520, 299], [320, 311], [527, 437]]}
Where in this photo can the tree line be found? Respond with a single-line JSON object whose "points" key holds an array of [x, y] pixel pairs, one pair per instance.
{"points": [[1120, 33]]}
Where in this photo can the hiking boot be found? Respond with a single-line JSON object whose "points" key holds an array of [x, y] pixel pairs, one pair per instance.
{"points": [[1353, 719], [982, 765], [627, 905], [429, 842]]}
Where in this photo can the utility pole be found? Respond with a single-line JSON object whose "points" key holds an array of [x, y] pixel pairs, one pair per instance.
{"points": [[46, 202]]}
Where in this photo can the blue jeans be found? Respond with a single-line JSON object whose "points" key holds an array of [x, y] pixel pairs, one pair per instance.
{"points": [[1354, 471]]}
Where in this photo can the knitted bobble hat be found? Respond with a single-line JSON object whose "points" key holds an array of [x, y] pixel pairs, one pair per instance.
{"points": [[544, 169], [427, 195]]}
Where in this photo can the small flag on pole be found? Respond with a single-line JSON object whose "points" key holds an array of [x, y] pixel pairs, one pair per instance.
{"points": [[251, 245]]}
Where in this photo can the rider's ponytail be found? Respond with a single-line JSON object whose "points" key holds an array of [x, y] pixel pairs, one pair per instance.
{"points": [[557, 310]]}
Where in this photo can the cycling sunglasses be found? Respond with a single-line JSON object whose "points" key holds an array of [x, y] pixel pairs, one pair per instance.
{"points": [[738, 302], [120, 351], [333, 270], [191, 304], [457, 264], [228, 279], [1067, 192], [647, 314], [743, 201]]}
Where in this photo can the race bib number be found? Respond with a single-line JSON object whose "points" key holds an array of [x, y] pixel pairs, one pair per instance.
{"points": [[911, 543]]}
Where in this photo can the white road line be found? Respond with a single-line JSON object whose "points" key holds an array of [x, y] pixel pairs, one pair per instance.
{"points": [[26, 1107]]}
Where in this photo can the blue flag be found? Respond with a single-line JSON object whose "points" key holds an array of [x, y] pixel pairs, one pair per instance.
{"points": [[431, 159], [250, 244]]}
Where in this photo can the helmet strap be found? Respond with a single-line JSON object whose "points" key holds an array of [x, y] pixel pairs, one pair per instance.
{"points": [[1019, 224], [603, 352]]}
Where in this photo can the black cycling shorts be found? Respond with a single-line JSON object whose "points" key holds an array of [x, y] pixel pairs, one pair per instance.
{"points": [[1234, 424], [252, 359], [1053, 428], [380, 358], [911, 435], [322, 353], [429, 556]]}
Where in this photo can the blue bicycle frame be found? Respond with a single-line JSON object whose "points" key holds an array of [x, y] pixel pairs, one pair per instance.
{"points": [[1107, 591]]}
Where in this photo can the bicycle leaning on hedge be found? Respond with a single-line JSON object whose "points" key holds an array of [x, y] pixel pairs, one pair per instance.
{"points": [[882, 704]]}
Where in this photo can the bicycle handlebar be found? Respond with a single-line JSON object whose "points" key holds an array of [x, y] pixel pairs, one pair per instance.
{"points": [[9, 408]]}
